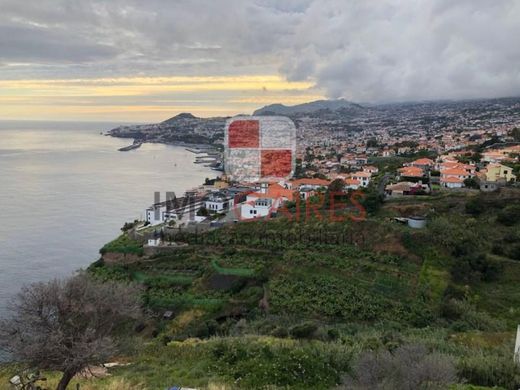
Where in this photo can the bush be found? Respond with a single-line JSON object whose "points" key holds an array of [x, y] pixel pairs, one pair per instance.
{"points": [[408, 367], [465, 316], [303, 331], [260, 363], [509, 216], [279, 332], [475, 206], [476, 267], [471, 182], [123, 244], [485, 369], [514, 252]]}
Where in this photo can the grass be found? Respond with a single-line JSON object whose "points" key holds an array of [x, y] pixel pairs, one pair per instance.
{"points": [[381, 285], [123, 244], [243, 272]]}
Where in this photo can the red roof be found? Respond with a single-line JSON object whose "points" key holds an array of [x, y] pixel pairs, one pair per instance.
{"points": [[411, 171], [454, 171], [423, 161], [451, 179], [310, 181], [275, 191], [361, 174]]}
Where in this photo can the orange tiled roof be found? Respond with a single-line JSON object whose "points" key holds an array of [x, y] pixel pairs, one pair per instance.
{"points": [[310, 181], [423, 161], [275, 191], [361, 174], [451, 179], [411, 171], [454, 171]]}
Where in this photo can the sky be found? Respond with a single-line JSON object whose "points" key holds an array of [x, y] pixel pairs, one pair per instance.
{"points": [[145, 61]]}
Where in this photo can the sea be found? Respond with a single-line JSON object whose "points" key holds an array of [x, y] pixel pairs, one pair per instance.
{"points": [[66, 190]]}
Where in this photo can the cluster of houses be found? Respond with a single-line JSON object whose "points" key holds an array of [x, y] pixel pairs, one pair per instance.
{"points": [[232, 202], [421, 175], [248, 200]]}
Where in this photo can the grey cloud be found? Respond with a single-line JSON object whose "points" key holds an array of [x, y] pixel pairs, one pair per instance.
{"points": [[27, 44], [387, 50]]}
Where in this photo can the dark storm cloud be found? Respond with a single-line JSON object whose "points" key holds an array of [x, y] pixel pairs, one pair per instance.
{"points": [[362, 50]]}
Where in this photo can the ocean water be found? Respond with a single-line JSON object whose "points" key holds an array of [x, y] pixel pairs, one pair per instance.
{"points": [[65, 190]]}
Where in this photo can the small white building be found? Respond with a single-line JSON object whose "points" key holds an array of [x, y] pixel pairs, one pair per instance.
{"points": [[452, 182], [218, 202], [174, 210], [362, 177], [154, 241], [261, 207]]}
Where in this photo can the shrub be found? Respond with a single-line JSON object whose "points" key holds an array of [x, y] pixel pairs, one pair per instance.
{"points": [[476, 267], [486, 369], [514, 252], [303, 331], [471, 182], [279, 332], [408, 367], [466, 317], [475, 206], [509, 216], [258, 363], [123, 244]]}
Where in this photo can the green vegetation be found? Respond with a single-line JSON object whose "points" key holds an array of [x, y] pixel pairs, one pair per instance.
{"points": [[123, 244], [294, 302]]}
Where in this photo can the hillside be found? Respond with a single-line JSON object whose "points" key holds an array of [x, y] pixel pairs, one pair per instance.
{"points": [[251, 299], [183, 128], [296, 304], [309, 108]]}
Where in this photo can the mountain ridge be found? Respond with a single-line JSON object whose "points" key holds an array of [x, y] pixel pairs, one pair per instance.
{"points": [[308, 108]]}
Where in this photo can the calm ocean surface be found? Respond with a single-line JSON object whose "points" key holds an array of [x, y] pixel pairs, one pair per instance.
{"points": [[65, 190]]}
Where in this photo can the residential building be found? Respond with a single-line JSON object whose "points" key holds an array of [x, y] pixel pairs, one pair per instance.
{"points": [[219, 202], [362, 177], [499, 172]]}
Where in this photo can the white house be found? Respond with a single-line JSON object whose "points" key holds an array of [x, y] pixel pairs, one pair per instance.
{"points": [[176, 209], [261, 207], [266, 201], [370, 169], [352, 184], [218, 202], [154, 241], [452, 182], [362, 177]]}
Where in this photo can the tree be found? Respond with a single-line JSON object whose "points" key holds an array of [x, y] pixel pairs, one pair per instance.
{"points": [[337, 186], [67, 325], [202, 212], [471, 182], [515, 133]]}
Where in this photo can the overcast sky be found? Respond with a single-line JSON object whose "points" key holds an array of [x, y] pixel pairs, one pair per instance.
{"points": [[148, 60]]}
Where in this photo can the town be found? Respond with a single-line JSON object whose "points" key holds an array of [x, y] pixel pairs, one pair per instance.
{"points": [[413, 165]]}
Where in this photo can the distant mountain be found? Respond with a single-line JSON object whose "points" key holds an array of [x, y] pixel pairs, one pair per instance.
{"points": [[184, 116], [309, 108], [182, 128]]}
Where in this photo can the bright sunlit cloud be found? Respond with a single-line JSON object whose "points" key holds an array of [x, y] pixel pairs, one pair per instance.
{"points": [[147, 99]]}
